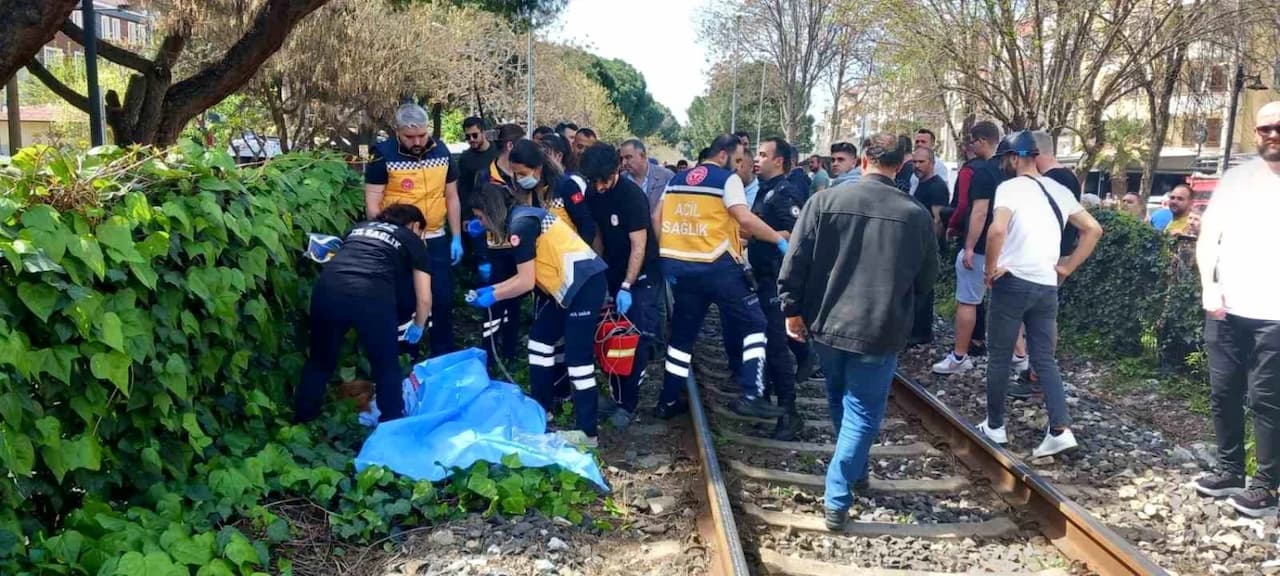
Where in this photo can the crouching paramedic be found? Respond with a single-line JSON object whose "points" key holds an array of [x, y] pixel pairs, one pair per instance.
{"points": [[570, 290], [699, 216], [630, 248], [415, 168], [358, 288], [777, 204]]}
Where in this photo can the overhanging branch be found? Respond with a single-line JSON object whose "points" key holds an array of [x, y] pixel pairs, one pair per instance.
{"points": [[108, 50], [62, 90]]}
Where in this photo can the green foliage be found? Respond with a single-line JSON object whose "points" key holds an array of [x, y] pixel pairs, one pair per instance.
{"points": [[628, 91], [149, 307], [1110, 301], [711, 114]]}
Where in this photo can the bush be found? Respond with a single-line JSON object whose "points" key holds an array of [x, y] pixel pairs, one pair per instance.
{"points": [[1112, 300]]}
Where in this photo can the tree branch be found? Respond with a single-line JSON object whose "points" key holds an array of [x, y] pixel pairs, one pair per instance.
{"points": [[62, 90], [28, 26], [107, 50]]}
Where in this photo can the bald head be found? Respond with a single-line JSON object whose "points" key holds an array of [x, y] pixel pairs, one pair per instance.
{"points": [[1267, 131]]}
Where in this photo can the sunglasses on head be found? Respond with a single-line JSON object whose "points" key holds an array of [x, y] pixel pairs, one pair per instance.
{"points": [[1266, 131]]}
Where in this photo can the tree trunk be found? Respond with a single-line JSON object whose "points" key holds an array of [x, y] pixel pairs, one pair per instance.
{"points": [[1159, 112], [276, 105], [28, 26], [1092, 140]]}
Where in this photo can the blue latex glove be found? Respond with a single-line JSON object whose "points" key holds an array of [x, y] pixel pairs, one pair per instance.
{"points": [[623, 300], [486, 270], [484, 298], [782, 246], [413, 334], [474, 228], [455, 250]]}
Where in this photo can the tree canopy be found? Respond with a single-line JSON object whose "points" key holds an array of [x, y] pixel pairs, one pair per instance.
{"points": [[711, 114]]}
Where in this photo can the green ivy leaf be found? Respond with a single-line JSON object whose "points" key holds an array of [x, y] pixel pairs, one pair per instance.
{"points": [[117, 235], [16, 451], [113, 367], [483, 485], [511, 461], [174, 375], [39, 298], [8, 207], [198, 439], [144, 273], [66, 546], [240, 551], [87, 250], [197, 551], [83, 453], [175, 210], [278, 531], [111, 331], [153, 564], [218, 567]]}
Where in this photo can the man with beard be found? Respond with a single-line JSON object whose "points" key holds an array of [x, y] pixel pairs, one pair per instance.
{"points": [[1179, 208], [475, 159], [415, 168], [1242, 321]]}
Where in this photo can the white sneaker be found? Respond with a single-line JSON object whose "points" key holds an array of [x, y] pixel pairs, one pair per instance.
{"points": [[1055, 444], [1021, 363], [578, 438], [997, 435], [953, 365]]}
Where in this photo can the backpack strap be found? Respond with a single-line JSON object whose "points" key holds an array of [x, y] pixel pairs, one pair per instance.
{"points": [[1052, 204]]}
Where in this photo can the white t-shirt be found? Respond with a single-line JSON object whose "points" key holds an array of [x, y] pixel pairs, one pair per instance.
{"points": [[1031, 248], [1238, 237]]}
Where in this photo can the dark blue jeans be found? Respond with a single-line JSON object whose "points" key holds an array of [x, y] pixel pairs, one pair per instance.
{"points": [[576, 324], [858, 390], [725, 285], [441, 331], [1016, 302]]}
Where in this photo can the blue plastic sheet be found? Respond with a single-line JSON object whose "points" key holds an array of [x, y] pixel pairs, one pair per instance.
{"points": [[457, 416]]}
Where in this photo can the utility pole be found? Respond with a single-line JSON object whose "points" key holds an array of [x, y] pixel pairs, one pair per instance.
{"points": [[733, 114], [764, 67], [1237, 84], [15, 114], [97, 135], [528, 97]]}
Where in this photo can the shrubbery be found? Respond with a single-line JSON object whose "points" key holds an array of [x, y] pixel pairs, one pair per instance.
{"points": [[151, 314]]}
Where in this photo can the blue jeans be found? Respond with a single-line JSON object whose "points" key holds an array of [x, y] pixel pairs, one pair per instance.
{"points": [[859, 386]]}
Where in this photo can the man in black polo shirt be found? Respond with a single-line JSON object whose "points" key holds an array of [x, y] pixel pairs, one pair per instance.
{"points": [[475, 159], [778, 204], [931, 192], [621, 210], [1048, 165]]}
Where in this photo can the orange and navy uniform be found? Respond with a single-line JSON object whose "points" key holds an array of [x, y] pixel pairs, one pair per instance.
{"points": [[563, 262], [568, 202], [416, 180]]}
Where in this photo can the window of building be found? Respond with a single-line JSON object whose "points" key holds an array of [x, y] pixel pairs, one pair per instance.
{"points": [[50, 56], [1218, 78], [78, 18], [115, 28], [1214, 137], [104, 27]]}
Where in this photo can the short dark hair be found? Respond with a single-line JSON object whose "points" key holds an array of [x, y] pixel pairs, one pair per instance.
{"points": [[599, 162], [905, 144], [560, 146], [635, 143], [780, 149], [844, 147], [509, 133], [587, 132], [985, 130], [932, 136], [883, 149], [543, 131], [703, 154], [562, 125], [723, 143], [473, 121], [683, 162], [402, 215], [742, 134]]}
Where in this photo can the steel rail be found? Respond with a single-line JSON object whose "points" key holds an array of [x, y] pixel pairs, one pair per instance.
{"points": [[728, 557], [1069, 526]]}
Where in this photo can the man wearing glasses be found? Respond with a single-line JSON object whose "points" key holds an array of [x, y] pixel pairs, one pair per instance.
{"points": [[475, 159], [1238, 276]]}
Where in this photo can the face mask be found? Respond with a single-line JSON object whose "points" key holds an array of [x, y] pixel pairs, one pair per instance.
{"points": [[527, 182]]}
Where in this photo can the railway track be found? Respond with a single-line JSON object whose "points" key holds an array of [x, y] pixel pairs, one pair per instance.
{"points": [[942, 498]]}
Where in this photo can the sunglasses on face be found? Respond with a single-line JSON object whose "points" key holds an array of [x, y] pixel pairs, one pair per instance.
{"points": [[1268, 131], [472, 135]]}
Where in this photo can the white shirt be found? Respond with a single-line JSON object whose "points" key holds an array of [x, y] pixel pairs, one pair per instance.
{"points": [[1030, 250], [1238, 238]]}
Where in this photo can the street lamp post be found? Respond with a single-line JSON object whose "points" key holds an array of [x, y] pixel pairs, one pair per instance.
{"points": [[97, 135], [1237, 86]]}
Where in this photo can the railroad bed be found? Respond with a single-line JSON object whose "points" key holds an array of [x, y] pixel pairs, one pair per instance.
{"points": [[943, 500]]}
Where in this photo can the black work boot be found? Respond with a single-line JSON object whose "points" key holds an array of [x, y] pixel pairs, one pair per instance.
{"points": [[789, 426], [756, 408]]}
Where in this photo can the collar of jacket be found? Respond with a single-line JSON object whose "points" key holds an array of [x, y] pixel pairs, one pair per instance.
{"points": [[775, 182], [881, 178]]}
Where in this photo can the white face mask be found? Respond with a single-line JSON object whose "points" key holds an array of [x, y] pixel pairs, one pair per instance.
{"points": [[527, 182]]}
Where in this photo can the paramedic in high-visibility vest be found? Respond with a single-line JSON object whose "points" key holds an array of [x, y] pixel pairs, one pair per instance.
{"points": [[699, 219], [501, 328], [568, 281], [415, 169], [630, 248]]}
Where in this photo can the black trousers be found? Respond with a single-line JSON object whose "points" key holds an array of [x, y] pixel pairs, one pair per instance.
{"points": [[922, 323], [779, 361], [1244, 359], [333, 313]]}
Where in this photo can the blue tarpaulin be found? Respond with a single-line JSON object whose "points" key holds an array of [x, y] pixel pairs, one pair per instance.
{"points": [[456, 416]]}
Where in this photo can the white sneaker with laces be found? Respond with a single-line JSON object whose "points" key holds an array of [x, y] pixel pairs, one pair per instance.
{"points": [[1055, 444], [997, 435], [953, 365], [1021, 363]]}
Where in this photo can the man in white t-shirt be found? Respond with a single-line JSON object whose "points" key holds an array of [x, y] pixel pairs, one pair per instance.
{"points": [[1023, 273]]}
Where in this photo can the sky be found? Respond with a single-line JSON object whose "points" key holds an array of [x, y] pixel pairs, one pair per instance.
{"points": [[657, 37]]}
